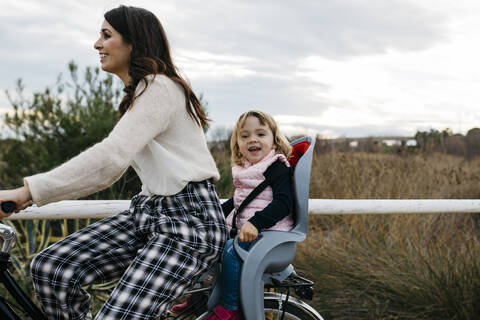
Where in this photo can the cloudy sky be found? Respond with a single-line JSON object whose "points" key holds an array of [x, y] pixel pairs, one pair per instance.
{"points": [[334, 67]]}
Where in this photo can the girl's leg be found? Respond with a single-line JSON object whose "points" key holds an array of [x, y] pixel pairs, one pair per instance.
{"points": [[97, 253], [231, 267], [161, 271]]}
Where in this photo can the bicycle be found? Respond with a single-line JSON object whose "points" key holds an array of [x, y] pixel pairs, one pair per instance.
{"points": [[267, 265], [278, 304], [9, 238]]}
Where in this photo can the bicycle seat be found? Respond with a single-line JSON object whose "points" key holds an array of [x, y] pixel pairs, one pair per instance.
{"points": [[271, 255]]}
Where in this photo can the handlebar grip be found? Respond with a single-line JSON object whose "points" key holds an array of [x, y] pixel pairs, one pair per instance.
{"points": [[8, 206]]}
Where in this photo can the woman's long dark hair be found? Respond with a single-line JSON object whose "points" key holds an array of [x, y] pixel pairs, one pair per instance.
{"points": [[151, 55]]}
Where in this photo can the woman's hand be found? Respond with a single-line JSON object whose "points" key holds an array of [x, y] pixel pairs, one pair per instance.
{"points": [[21, 196], [247, 233]]}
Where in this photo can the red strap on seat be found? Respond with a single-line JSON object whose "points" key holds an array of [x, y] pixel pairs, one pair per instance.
{"points": [[298, 150]]}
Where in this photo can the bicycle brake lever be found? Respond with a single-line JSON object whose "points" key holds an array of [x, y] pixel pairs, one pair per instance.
{"points": [[9, 236]]}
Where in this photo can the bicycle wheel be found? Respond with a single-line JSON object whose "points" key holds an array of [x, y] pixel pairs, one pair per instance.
{"points": [[274, 304]]}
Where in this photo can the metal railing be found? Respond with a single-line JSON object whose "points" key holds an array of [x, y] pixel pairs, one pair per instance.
{"points": [[73, 209]]}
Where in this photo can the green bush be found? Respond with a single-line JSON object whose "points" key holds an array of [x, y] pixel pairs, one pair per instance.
{"points": [[57, 124]]}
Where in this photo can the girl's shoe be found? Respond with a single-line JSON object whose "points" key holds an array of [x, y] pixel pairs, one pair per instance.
{"points": [[220, 313]]}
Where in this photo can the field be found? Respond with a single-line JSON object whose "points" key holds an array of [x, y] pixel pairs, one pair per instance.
{"points": [[379, 266], [394, 266]]}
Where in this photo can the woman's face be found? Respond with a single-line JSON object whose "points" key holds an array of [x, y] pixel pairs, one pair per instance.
{"points": [[114, 52], [255, 140]]}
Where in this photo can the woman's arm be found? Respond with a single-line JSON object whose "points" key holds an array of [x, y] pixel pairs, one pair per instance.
{"points": [[101, 165]]}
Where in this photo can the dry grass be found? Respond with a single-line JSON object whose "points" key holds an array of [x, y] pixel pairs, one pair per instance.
{"points": [[390, 266], [394, 266], [375, 176]]}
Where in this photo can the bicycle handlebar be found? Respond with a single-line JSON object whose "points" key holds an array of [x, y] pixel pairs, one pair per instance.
{"points": [[8, 206]]}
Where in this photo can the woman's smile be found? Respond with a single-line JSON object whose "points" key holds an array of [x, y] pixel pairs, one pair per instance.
{"points": [[103, 56]]}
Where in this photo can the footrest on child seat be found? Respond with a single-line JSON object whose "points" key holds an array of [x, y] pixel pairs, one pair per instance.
{"points": [[293, 280], [302, 286]]}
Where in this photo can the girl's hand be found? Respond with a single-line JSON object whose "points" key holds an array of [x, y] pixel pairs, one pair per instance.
{"points": [[247, 233], [21, 196]]}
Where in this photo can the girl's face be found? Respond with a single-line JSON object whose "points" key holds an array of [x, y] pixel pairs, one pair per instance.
{"points": [[255, 140], [114, 52]]}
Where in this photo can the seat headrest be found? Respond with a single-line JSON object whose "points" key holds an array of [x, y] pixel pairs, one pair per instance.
{"points": [[298, 150]]}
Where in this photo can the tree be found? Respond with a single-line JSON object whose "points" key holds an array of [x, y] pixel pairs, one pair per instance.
{"points": [[432, 140], [473, 142]]}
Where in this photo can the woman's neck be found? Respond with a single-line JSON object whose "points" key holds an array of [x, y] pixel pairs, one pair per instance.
{"points": [[125, 77]]}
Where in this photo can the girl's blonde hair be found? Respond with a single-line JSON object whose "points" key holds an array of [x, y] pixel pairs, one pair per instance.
{"points": [[280, 142]]}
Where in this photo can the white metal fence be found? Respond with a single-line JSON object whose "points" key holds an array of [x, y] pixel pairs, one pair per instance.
{"points": [[73, 209]]}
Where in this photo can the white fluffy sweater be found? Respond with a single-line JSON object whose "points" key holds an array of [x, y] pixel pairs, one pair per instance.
{"points": [[155, 136]]}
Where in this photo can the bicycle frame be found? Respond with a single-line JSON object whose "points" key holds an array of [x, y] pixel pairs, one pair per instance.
{"points": [[301, 286], [9, 236]]}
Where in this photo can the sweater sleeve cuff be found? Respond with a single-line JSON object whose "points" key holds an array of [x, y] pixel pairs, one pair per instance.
{"points": [[32, 183], [256, 223]]}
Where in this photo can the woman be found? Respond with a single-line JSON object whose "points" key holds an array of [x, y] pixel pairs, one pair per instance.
{"points": [[174, 228]]}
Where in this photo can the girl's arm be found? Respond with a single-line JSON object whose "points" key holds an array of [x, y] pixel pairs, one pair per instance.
{"points": [[282, 202]]}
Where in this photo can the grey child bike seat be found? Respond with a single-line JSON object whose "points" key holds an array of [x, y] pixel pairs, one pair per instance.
{"points": [[271, 255]]}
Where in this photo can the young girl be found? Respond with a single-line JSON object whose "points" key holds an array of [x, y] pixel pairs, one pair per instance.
{"points": [[259, 150], [175, 228]]}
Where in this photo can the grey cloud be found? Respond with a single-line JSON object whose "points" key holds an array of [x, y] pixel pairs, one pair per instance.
{"points": [[278, 34], [363, 130], [228, 98], [275, 35], [38, 44], [332, 29]]}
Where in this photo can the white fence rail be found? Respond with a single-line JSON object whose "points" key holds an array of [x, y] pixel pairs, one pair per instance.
{"points": [[73, 209]]}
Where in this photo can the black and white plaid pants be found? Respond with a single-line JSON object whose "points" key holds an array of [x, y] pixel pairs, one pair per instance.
{"points": [[156, 248]]}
